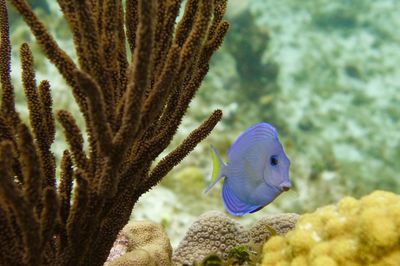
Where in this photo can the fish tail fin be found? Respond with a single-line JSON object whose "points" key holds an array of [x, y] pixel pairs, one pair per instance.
{"points": [[218, 166]]}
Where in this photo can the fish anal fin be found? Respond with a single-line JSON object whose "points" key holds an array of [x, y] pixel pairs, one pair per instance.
{"points": [[256, 210], [234, 205]]}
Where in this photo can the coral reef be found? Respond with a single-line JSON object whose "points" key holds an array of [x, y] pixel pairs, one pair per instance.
{"points": [[132, 98], [142, 243], [216, 233], [352, 232]]}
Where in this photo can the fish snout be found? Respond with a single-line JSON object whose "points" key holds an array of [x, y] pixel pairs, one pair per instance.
{"points": [[285, 186]]}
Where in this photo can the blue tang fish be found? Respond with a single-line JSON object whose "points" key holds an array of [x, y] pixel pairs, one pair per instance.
{"points": [[256, 173]]}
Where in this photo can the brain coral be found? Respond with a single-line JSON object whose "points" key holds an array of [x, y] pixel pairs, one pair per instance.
{"points": [[352, 232], [215, 233], [141, 243], [212, 232]]}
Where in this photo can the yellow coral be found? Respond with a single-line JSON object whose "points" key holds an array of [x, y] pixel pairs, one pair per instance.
{"points": [[352, 232], [299, 261], [301, 240], [324, 261]]}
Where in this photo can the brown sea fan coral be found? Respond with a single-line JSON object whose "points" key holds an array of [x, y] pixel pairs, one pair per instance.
{"points": [[132, 107]]}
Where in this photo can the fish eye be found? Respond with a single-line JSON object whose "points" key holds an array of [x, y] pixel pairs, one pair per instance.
{"points": [[273, 160]]}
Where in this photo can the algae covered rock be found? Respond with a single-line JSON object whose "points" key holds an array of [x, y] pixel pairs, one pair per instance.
{"points": [[216, 233], [352, 232], [141, 243]]}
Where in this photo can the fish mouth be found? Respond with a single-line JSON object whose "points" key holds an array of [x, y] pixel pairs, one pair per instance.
{"points": [[285, 186]]}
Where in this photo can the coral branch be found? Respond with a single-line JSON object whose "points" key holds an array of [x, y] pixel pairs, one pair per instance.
{"points": [[74, 138], [219, 12], [30, 167], [74, 224], [165, 35], [37, 118], [64, 192], [10, 243], [185, 24], [131, 22], [139, 76], [59, 58], [156, 100], [7, 97], [53, 52], [49, 215], [23, 210], [97, 112], [47, 111], [172, 159]]}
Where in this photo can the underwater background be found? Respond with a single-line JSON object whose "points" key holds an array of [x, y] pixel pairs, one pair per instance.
{"points": [[324, 73]]}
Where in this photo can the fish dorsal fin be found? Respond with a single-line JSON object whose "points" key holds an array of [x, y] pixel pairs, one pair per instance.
{"points": [[252, 136], [234, 205]]}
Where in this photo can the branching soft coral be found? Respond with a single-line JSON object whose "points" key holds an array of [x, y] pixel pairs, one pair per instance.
{"points": [[136, 74], [353, 232]]}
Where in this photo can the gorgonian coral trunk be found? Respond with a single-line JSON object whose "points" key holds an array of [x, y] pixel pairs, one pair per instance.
{"points": [[136, 74]]}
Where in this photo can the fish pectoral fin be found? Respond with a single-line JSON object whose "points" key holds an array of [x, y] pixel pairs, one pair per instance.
{"points": [[234, 205]]}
